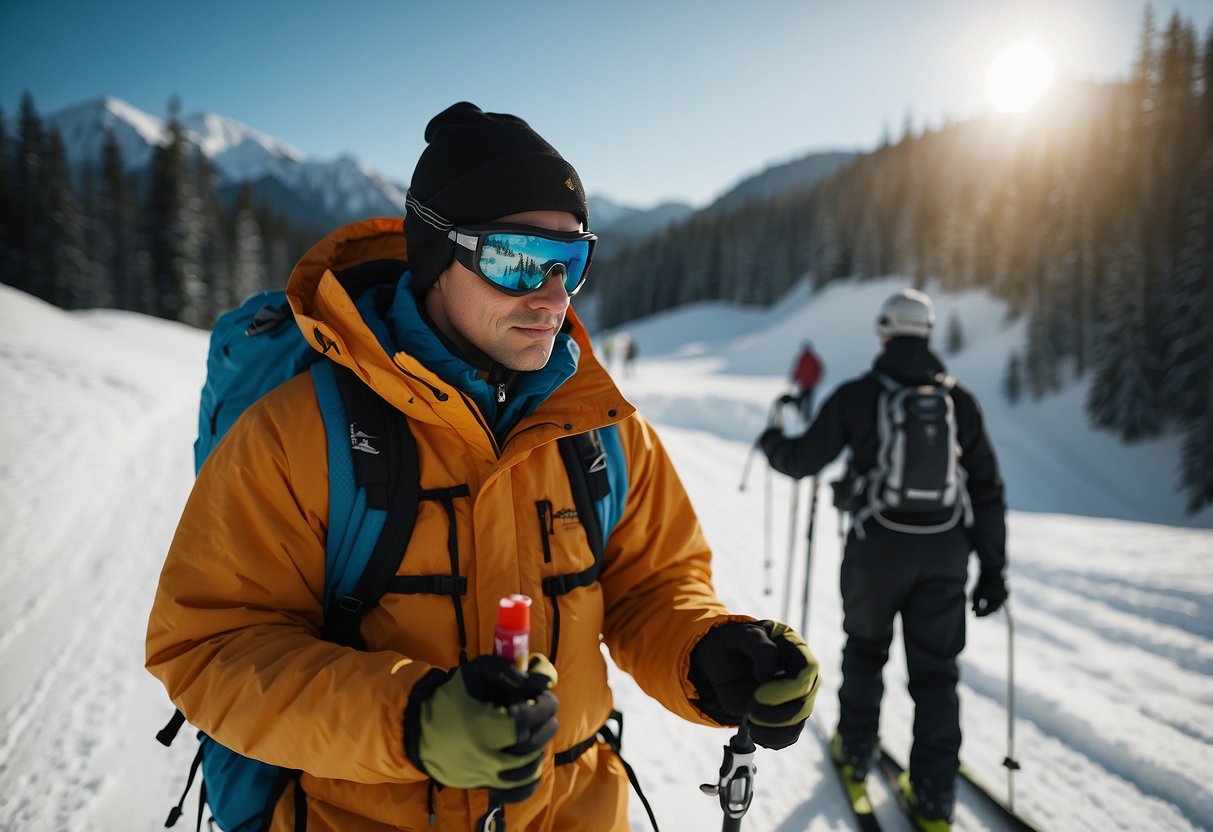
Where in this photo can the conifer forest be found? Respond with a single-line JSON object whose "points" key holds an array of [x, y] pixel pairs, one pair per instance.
{"points": [[1092, 217]]}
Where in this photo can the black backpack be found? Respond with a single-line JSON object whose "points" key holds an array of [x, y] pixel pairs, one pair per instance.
{"points": [[918, 469]]}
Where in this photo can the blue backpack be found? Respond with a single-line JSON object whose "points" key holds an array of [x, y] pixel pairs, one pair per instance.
{"points": [[373, 498]]}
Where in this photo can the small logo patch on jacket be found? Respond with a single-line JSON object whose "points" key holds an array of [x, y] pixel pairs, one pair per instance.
{"points": [[360, 441], [567, 516]]}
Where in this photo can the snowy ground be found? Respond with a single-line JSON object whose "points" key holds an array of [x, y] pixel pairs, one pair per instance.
{"points": [[1111, 582]]}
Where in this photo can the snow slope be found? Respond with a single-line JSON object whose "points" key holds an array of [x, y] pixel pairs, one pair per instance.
{"points": [[1111, 583]]}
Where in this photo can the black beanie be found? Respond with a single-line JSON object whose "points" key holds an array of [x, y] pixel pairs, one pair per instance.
{"points": [[480, 166]]}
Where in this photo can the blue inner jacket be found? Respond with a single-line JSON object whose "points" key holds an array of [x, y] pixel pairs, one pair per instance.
{"points": [[403, 329]]}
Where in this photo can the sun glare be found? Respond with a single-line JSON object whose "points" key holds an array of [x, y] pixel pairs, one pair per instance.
{"points": [[1018, 77]]}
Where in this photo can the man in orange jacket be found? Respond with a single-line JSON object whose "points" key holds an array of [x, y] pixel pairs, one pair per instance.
{"points": [[477, 344]]}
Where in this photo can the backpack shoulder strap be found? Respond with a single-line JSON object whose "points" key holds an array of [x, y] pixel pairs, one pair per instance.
{"points": [[373, 494], [886, 381], [586, 464], [597, 470]]}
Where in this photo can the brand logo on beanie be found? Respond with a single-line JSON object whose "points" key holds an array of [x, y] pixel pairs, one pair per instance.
{"points": [[568, 183]]}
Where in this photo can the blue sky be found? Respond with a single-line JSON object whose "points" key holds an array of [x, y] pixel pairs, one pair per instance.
{"points": [[649, 100]]}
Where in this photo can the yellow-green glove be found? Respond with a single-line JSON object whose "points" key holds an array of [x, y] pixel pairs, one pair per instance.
{"points": [[762, 671], [484, 726]]}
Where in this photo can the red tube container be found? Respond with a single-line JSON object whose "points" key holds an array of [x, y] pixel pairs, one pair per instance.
{"points": [[512, 636]]}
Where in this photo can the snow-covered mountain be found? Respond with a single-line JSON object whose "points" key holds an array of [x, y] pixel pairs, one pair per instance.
{"points": [[618, 224], [332, 191], [83, 127], [779, 179], [322, 193]]}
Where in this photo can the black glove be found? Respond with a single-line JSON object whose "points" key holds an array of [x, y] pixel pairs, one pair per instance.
{"points": [[989, 593], [769, 439], [762, 671]]}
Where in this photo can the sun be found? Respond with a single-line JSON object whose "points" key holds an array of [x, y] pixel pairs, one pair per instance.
{"points": [[1018, 76]]}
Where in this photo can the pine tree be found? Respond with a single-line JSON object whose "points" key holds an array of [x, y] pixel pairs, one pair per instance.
{"points": [[215, 259], [97, 243], [1040, 354], [190, 225], [1206, 85], [1012, 379], [162, 218], [1196, 468], [275, 238], [31, 228], [8, 207], [955, 339], [1189, 322], [248, 251], [1122, 392], [117, 221], [67, 276]]}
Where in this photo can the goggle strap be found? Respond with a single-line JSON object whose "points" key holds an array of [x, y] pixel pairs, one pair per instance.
{"points": [[466, 240]]}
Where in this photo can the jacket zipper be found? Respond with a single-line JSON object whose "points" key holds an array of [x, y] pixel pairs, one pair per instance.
{"points": [[475, 411], [498, 376], [547, 527], [440, 395]]}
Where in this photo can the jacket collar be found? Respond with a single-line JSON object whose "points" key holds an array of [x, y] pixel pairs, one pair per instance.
{"points": [[909, 360], [333, 322]]}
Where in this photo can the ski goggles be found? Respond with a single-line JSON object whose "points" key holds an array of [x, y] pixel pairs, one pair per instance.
{"points": [[518, 259]]}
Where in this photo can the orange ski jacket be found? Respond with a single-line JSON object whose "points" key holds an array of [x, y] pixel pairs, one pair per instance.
{"points": [[235, 629]]}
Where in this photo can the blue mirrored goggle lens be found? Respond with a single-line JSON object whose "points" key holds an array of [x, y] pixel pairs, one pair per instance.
{"points": [[521, 262]]}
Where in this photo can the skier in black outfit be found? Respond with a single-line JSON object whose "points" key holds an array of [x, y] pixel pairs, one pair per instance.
{"points": [[887, 571]]}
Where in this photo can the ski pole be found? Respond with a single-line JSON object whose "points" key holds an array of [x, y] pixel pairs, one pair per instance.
{"points": [[745, 468], [768, 505], [1012, 765], [808, 561], [735, 788], [787, 583], [772, 419]]}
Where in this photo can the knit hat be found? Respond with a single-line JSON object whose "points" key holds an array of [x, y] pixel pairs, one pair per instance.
{"points": [[909, 312], [477, 167]]}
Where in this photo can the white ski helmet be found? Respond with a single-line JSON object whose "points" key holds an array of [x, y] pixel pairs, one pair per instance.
{"points": [[909, 312]]}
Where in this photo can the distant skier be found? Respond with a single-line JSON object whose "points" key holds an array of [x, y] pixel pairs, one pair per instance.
{"points": [[806, 374], [918, 513], [629, 357]]}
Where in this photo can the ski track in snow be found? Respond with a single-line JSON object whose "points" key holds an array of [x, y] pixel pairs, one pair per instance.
{"points": [[1114, 620], [76, 703]]}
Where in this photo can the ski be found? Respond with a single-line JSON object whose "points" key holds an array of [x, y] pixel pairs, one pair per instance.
{"points": [[1017, 821], [857, 793], [892, 771]]}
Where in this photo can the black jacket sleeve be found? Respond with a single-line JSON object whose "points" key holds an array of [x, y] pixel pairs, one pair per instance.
{"points": [[988, 534], [805, 455]]}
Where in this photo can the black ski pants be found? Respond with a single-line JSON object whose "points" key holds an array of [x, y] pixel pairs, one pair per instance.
{"points": [[922, 578]]}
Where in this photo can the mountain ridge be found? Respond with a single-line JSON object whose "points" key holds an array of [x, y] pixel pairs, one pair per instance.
{"points": [[336, 191], [322, 193]]}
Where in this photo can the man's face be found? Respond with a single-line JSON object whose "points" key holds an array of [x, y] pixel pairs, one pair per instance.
{"points": [[491, 326]]}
